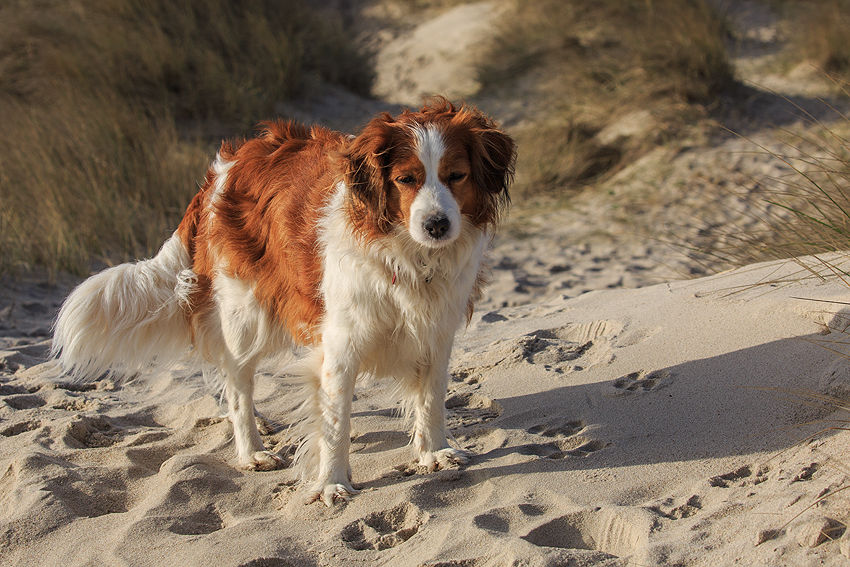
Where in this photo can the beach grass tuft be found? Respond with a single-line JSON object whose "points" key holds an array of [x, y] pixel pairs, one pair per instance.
{"points": [[106, 106]]}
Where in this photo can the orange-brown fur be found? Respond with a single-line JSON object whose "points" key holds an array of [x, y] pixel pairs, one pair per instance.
{"points": [[262, 227]]}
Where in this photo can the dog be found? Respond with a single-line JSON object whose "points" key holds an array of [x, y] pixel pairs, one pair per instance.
{"points": [[366, 252]]}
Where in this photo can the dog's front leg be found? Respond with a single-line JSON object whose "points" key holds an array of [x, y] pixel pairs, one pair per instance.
{"points": [[338, 375], [429, 430]]}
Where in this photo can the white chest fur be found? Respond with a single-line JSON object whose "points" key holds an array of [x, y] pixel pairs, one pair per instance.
{"points": [[392, 301]]}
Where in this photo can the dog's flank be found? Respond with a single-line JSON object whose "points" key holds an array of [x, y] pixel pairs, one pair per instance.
{"points": [[369, 251]]}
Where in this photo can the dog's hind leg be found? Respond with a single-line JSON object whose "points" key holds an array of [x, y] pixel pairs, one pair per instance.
{"points": [[239, 389], [244, 339]]}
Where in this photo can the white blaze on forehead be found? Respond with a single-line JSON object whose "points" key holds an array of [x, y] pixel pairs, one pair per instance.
{"points": [[434, 199], [430, 147]]}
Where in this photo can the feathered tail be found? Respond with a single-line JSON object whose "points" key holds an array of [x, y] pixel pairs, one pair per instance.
{"points": [[128, 317]]}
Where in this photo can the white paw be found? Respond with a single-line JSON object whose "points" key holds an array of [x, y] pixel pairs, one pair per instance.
{"points": [[443, 458], [330, 493], [262, 461]]}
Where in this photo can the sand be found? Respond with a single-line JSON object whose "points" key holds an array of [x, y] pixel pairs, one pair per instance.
{"points": [[652, 426], [618, 412]]}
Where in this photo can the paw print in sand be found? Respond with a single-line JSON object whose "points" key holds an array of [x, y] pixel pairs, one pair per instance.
{"points": [[565, 439], [641, 381], [385, 529]]}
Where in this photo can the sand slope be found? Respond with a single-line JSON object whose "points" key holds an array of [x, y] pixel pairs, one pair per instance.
{"points": [[619, 427]]}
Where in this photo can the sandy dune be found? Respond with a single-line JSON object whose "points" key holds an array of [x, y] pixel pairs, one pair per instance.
{"points": [[621, 427]]}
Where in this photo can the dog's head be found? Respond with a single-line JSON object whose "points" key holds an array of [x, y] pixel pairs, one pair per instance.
{"points": [[429, 170]]}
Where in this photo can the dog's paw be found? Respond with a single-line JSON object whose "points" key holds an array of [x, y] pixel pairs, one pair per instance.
{"points": [[330, 493], [444, 458], [263, 461]]}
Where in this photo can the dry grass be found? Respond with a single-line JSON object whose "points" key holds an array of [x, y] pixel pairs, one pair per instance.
{"points": [[805, 212], [820, 32], [92, 163], [585, 64]]}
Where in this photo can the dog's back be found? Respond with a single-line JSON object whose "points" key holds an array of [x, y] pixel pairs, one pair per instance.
{"points": [[285, 174]]}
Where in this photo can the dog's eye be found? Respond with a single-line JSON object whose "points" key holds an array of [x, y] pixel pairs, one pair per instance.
{"points": [[456, 176], [406, 180]]}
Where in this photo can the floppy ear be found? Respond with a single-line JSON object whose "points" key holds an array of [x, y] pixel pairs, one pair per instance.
{"points": [[364, 167], [492, 157]]}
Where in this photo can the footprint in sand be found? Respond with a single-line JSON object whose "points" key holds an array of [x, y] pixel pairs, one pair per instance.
{"points": [[386, 529], [93, 432], [268, 562], [678, 508], [75, 491], [493, 317], [641, 381], [509, 518], [470, 408], [482, 440], [457, 563], [77, 386], [202, 522], [19, 428], [546, 348], [565, 439], [735, 477], [70, 397], [467, 412], [566, 349], [559, 429], [25, 355], [72, 404], [13, 389], [612, 532], [24, 401]]}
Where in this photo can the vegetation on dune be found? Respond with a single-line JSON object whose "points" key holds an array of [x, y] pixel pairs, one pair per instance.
{"points": [[807, 211], [804, 212], [104, 105], [92, 163], [589, 63], [820, 33]]}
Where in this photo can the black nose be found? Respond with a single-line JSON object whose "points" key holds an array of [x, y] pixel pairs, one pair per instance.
{"points": [[437, 227]]}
